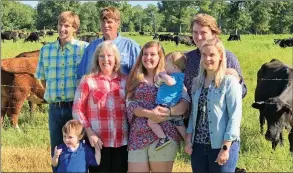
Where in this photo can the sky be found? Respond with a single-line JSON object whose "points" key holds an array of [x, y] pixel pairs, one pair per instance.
{"points": [[133, 3]]}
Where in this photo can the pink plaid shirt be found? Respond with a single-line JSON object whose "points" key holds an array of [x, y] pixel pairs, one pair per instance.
{"points": [[99, 103]]}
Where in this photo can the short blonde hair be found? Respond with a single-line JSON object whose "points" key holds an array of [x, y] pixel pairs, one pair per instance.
{"points": [[74, 126], [178, 59], [70, 17], [206, 20], [110, 13], [106, 45]]}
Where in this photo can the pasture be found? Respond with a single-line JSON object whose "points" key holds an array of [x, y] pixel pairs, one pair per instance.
{"points": [[28, 150]]}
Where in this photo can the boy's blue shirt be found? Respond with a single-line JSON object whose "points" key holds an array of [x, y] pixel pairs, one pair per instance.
{"points": [[170, 95], [76, 161]]}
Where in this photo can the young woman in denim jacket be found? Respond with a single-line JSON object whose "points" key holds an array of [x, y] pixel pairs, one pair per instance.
{"points": [[213, 131]]}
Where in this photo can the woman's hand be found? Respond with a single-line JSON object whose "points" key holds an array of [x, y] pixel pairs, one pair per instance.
{"points": [[188, 148], [93, 138], [223, 157], [158, 115]]}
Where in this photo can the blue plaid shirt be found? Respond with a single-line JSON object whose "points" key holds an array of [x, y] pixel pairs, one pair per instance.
{"points": [[129, 50], [57, 67]]}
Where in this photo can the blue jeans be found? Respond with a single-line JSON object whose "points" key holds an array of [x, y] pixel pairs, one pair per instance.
{"points": [[203, 158], [58, 116]]}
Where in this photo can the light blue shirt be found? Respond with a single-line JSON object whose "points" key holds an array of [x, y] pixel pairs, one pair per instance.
{"points": [[129, 50], [170, 95], [224, 107]]}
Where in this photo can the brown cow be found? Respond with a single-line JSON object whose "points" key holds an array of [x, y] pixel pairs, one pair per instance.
{"points": [[19, 84], [34, 53]]}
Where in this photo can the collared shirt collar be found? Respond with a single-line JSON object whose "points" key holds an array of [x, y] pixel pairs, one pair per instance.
{"points": [[101, 76], [78, 148], [68, 45], [116, 40]]}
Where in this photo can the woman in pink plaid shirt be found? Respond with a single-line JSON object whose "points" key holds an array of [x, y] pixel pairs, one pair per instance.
{"points": [[99, 104], [141, 106]]}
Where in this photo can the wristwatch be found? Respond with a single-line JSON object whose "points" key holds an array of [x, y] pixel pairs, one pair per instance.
{"points": [[225, 147]]}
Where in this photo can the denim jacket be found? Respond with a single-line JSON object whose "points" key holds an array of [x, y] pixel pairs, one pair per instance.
{"points": [[224, 106]]}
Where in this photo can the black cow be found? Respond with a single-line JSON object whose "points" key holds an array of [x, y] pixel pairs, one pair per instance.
{"points": [[156, 36], [233, 37], [141, 33], [166, 37], [9, 35], [50, 33], [34, 36], [89, 38], [273, 99], [284, 42]]}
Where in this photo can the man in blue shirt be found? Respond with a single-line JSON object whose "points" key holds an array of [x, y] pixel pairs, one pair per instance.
{"points": [[129, 49]]}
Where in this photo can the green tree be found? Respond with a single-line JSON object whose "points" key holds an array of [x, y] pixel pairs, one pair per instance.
{"points": [[236, 18], [16, 15], [89, 17], [282, 19], [261, 16], [48, 12], [138, 15], [177, 15]]}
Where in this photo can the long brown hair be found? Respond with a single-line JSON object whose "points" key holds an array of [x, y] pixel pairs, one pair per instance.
{"points": [[138, 71]]}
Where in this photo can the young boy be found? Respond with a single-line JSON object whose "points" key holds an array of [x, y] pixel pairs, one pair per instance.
{"points": [[74, 155], [170, 84]]}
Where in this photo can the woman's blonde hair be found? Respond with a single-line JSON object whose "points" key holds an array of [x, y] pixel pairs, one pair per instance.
{"points": [[74, 126], [220, 72], [138, 71], [106, 45]]}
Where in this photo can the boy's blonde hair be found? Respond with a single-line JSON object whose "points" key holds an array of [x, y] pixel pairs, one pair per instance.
{"points": [[74, 126], [178, 59], [110, 13], [220, 73], [206, 20], [138, 71], [70, 17], [106, 45]]}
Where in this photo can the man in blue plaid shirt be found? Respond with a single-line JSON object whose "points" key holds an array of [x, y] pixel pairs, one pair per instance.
{"points": [[58, 62]]}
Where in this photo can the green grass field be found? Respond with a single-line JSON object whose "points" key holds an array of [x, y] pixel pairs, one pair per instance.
{"points": [[28, 150]]}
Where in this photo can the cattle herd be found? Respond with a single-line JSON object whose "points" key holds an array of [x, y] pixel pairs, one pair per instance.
{"points": [[33, 36]]}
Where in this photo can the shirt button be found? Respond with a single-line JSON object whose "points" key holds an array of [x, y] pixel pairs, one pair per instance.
{"points": [[210, 121]]}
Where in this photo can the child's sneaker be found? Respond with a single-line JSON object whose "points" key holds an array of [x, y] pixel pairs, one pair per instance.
{"points": [[162, 143]]}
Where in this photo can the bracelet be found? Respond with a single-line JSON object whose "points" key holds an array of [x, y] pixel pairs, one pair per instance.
{"points": [[170, 111]]}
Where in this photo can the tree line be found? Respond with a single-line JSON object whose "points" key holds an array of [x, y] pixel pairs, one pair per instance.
{"points": [[244, 17]]}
